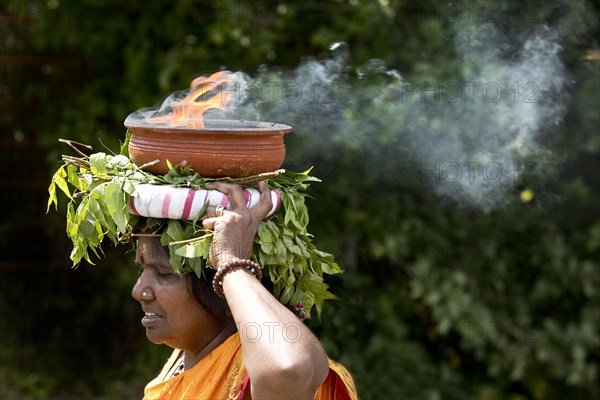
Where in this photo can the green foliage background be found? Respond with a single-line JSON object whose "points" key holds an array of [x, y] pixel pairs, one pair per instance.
{"points": [[439, 301]]}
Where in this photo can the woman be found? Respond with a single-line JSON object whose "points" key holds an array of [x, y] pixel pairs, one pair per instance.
{"points": [[246, 345]]}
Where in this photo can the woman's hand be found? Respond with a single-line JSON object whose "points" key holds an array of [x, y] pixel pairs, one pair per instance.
{"points": [[234, 231]]}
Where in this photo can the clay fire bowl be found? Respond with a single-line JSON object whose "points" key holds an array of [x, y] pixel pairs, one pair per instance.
{"points": [[222, 148]]}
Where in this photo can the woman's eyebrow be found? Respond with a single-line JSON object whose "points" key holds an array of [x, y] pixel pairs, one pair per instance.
{"points": [[157, 265], [151, 262]]}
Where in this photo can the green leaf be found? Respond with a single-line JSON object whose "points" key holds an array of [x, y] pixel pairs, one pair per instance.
{"points": [[172, 172], [280, 253], [264, 233], [201, 214], [61, 182], [73, 178], [129, 188], [52, 197], [289, 209], [198, 265], [320, 297], [327, 263], [71, 224], [287, 294], [125, 145], [58, 179], [175, 231], [104, 215], [117, 204], [176, 262], [265, 239], [299, 295], [98, 163], [103, 220], [194, 250]]}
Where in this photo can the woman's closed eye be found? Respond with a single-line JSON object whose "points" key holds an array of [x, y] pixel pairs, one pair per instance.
{"points": [[162, 274]]}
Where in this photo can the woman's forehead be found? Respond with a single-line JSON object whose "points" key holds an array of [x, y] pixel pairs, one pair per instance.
{"points": [[150, 252]]}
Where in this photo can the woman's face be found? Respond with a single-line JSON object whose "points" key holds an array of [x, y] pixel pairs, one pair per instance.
{"points": [[171, 314]]}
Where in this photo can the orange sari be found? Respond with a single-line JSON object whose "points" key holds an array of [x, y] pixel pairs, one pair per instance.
{"points": [[222, 375]]}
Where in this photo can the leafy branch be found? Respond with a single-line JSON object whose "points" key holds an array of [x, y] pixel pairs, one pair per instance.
{"points": [[100, 185]]}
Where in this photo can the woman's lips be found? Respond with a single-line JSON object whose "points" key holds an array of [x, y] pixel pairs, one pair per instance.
{"points": [[150, 319]]}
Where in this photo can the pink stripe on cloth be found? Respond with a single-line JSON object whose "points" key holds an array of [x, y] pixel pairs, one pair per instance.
{"points": [[247, 197], [278, 195], [165, 205], [132, 206], [244, 387], [205, 198], [225, 200], [187, 207]]}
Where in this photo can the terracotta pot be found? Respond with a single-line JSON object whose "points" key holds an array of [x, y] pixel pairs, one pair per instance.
{"points": [[222, 148]]}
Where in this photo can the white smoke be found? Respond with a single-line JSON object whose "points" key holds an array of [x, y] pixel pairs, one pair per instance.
{"points": [[481, 143], [472, 140]]}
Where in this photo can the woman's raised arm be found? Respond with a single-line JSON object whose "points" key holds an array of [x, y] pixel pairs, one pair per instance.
{"points": [[283, 358]]}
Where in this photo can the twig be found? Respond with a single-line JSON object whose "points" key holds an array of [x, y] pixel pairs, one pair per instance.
{"points": [[80, 194], [146, 234], [106, 147], [72, 144], [192, 240], [149, 164], [75, 161], [256, 178]]}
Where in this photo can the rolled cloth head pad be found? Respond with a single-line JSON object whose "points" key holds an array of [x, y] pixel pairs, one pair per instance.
{"points": [[159, 201]]}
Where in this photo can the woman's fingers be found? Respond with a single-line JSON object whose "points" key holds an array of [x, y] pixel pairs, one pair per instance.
{"points": [[238, 201], [234, 192], [209, 223], [215, 211], [264, 206]]}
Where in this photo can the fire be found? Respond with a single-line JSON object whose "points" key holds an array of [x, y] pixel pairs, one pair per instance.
{"points": [[206, 93]]}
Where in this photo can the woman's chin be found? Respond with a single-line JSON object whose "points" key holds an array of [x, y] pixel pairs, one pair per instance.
{"points": [[154, 336]]}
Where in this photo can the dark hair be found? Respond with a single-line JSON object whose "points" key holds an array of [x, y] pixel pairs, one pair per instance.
{"points": [[215, 306]]}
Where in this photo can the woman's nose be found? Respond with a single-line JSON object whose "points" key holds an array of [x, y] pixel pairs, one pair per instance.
{"points": [[136, 291], [141, 290]]}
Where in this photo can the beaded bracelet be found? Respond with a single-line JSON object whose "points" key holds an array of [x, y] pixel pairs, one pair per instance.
{"points": [[231, 265]]}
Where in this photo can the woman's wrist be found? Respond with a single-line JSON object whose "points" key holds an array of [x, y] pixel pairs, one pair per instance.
{"points": [[232, 265], [225, 257]]}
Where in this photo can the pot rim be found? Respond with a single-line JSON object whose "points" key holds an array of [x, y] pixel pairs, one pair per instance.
{"points": [[232, 126]]}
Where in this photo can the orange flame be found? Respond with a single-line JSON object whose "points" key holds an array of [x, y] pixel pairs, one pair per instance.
{"points": [[206, 93]]}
